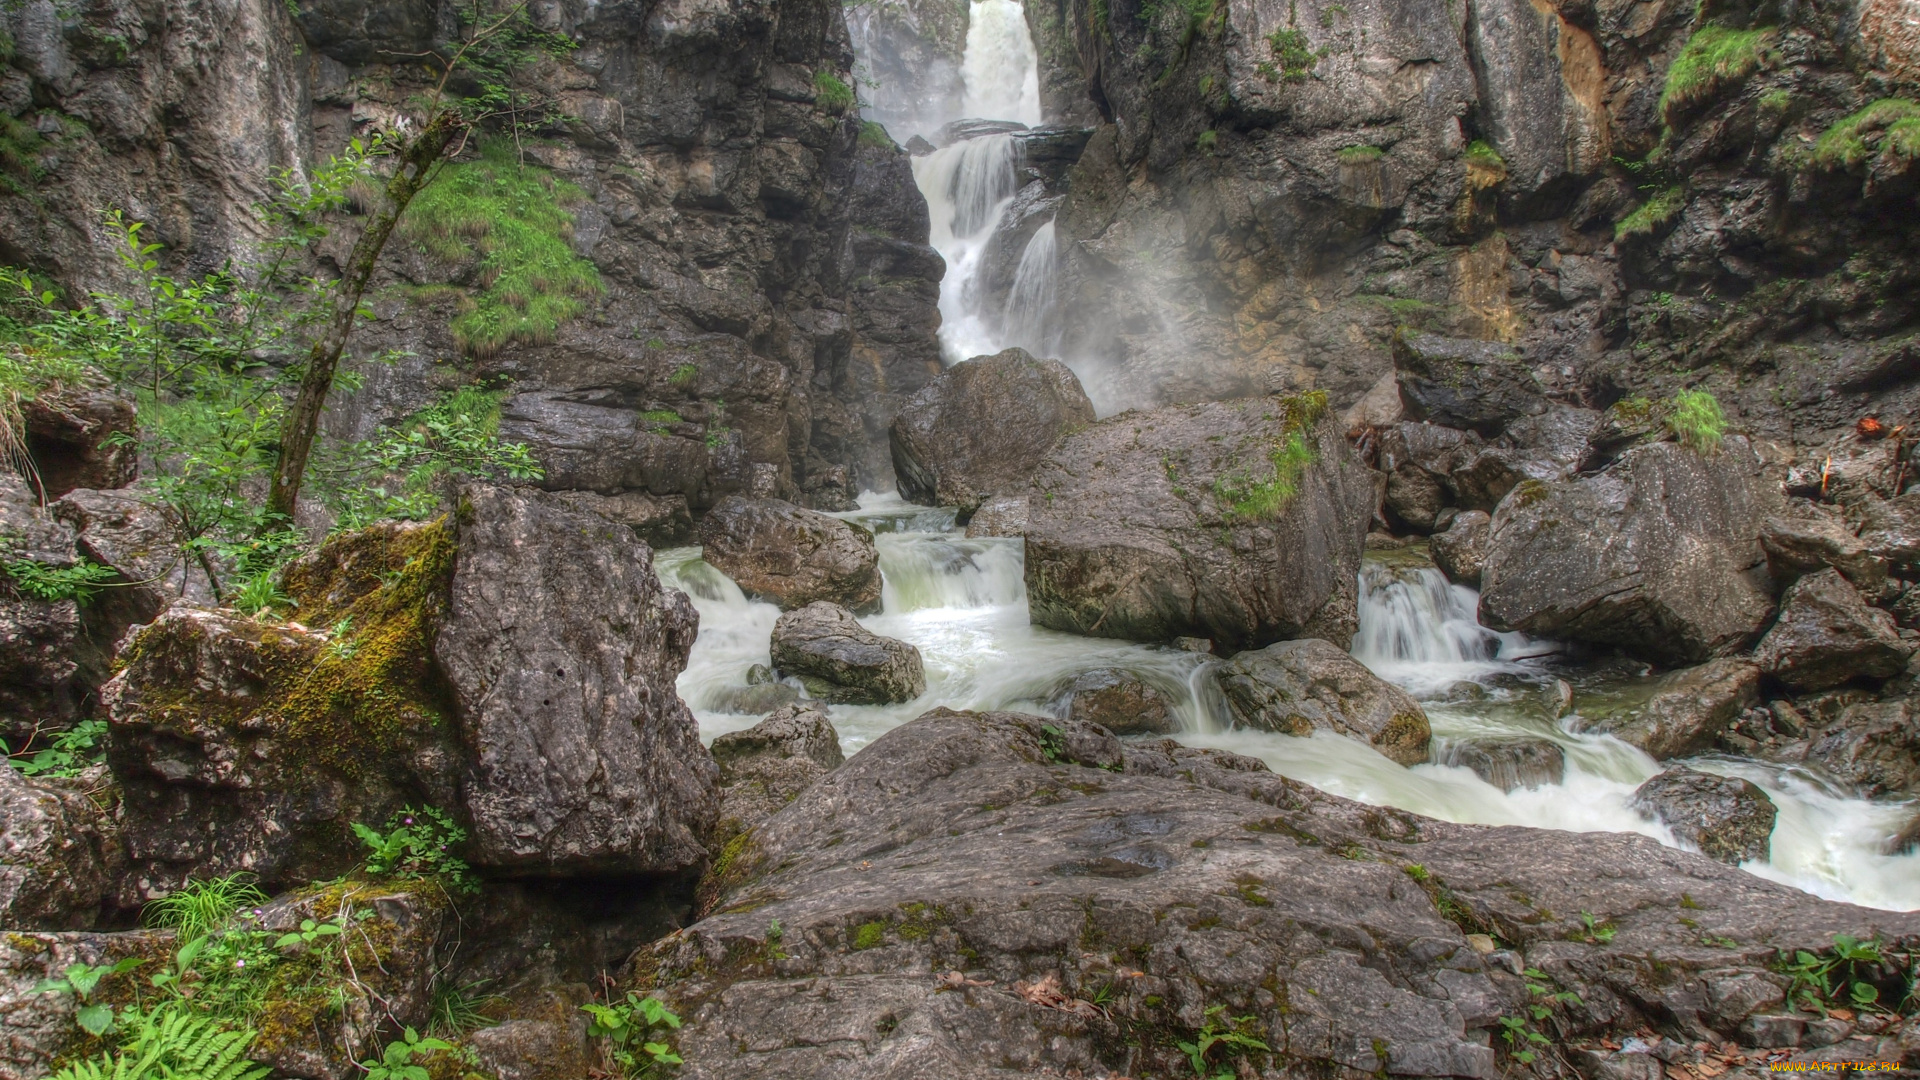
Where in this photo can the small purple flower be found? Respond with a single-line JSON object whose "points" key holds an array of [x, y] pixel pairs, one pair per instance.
{"points": [[239, 963], [406, 821]]}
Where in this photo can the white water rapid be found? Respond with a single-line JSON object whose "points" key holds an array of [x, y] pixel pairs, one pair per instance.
{"points": [[962, 602], [1000, 69]]}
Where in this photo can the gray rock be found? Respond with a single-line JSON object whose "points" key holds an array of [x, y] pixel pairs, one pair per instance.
{"points": [[1508, 763], [1828, 635], [59, 851], [1118, 702], [142, 542], [1478, 385], [40, 686], [1810, 538], [842, 661], [979, 429], [1689, 709], [1727, 818], [793, 557], [753, 699], [561, 648], [1296, 687], [535, 1049], [1486, 479], [1873, 747], [40, 1027], [768, 765], [1461, 551], [1419, 460], [1561, 434], [1657, 555], [659, 521], [80, 439], [1133, 530], [1002, 516]]}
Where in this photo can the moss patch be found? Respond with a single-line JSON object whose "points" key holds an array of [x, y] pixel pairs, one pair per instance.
{"points": [[1714, 58], [1649, 216], [1889, 127]]}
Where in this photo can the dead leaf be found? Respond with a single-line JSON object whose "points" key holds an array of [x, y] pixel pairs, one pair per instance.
{"points": [[1709, 1069], [1046, 993], [954, 980], [1841, 1014]]}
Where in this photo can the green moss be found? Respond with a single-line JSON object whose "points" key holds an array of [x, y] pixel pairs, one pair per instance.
{"points": [[1359, 155], [1695, 419], [1294, 55], [1776, 101], [831, 94], [870, 935], [1888, 127], [1528, 492], [1481, 153], [1207, 141], [1713, 59], [872, 134], [1649, 216], [507, 221], [20, 150], [1290, 456], [659, 419]]}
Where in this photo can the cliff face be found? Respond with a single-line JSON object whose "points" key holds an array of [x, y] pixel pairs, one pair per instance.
{"points": [[1637, 195], [708, 166]]}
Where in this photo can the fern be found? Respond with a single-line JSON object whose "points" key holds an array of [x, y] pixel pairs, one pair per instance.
{"points": [[168, 1044]]}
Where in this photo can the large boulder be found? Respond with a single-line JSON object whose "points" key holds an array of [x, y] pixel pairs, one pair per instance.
{"points": [[39, 638], [1809, 537], [1508, 763], [560, 649], [1687, 710], [1872, 747], [1177, 523], [59, 851], [1478, 385], [978, 429], [839, 660], [1419, 460], [973, 881], [777, 551], [1117, 701], [1657, 555], [1298, 687], [1727, 818], [81, 438], [1461, 551], [1828, 635], [768, 765]]}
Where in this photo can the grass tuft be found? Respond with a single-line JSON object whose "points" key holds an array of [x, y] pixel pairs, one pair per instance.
{"points": [[1890, 126], [201, 907], [1695, 419], [1359, 155], [1714, 58], [872, 134], [831, 94], [1649, 216]]}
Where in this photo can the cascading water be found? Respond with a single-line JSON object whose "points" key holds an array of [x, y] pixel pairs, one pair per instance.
{"points": [[1000, 68], [1030, 320], [962, 603]]}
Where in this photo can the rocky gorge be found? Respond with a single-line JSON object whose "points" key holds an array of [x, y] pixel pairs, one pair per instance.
{"points": [[960, 538]]}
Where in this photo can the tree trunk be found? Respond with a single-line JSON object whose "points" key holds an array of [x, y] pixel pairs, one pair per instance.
{"points": [[416, 161]]}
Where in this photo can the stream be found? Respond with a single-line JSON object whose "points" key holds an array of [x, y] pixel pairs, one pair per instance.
{"points": [[963, 603]]}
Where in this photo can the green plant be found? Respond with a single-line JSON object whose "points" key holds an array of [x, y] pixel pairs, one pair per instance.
{"points": [[1214, 1034], [1714, 58], [418, 843], [260, 593], [1520, 1031], [1481, 153], [869, 935], [874, 135], [1695, 419], [1053, 743], [1890, 126], [1649, 216], [1248, 498], [80, 981], [457, 1009], [1207, 140], [635, 1030], [1359, 155], [201, 907], [1596, 933], [831, 94], [1845, 975], [67, 754], [310, 933], [684, 377], [44, 581], [659, 420], [1776, 101], [169, 1043], [396, 1062]]}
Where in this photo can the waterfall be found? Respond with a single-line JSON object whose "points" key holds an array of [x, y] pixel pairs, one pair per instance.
{"points": [[1419, 629], [1000, 68], [1030, 305]]}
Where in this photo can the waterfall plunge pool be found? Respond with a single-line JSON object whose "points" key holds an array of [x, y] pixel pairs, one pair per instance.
{"points": [[962, 602]]}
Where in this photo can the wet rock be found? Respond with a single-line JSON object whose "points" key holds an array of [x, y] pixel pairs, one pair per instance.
{"points": [[1118, 702], [1295, 687], [1658, 555], [1508, 763], [1419, 460], [1561, 434], [560, 648], [1810, 538], [979, 429], [1001, 516], [1479, 385], [768, 765], [59, 851], [80, 439], [142, 543], [1163, 524], [841, 661], [1828, 635], [1727, 818], [1380, 407], [753, 699], [39, 688], [658, 520], [1889, 528], [793, 557], [1461, 551], [1486, 479], [1689, 709], [40, 1027], [1873, 747]]}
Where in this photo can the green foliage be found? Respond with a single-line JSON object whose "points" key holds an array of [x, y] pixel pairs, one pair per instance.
{"points": [[1776, 101], [457, 1009], [1846, 975], [1695, 419], [68, 753], [1264, 498], [1227, 1036], [685, 377], [418, 844], [1481, 153], [1649, 216], [310, 933], [199, 908], [1521, 1031], [635, 1029], [21, 147], [397, 1063], [1359, 155], [169, 1043], [504, 223], [260, 595], [874, 135], [831, 94], [1889, 127], [1207, 140], [1714, 58], [869, 935], [658, 420], [1291, 51], [80, 981], [1595, 933]]}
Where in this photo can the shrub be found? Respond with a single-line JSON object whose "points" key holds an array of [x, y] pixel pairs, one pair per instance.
{"points": [[1207, 141], [1481, 153], [1695, 419], [1649, 216], [831, 94], [1889, 126], [1714, 58]]}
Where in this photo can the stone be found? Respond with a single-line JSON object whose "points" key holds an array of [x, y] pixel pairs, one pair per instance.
{"points": [[40, 1027], [996, 845], [1689, 709], [1380, 407], [534, 1049], [1486, 478], [768, 765], [793, 557], [143, 544], [1461, 551], [1873, 747], [80, 438], [1478, 385], [1150, 526], [1508, 763], [1000, 516], [1118, 702], [560, 648], [59, 851], [1727, 818], [1296, 687], [1657, 555], [1773, 1031], [39, 684], [979, 429], [1419, 460], [1827, 635], [1811, 538], [842, 661], [658, 521]]}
